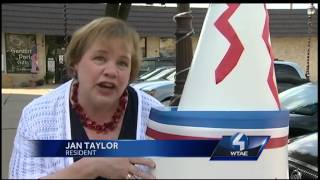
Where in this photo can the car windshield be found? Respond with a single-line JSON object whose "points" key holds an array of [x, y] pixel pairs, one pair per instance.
{"points": [[302, 99], [305, 144], [305, 148], [151, 73], [160, 75]]}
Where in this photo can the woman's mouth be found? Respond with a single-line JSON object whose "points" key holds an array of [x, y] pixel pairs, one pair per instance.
{"points": [[106, 85]]}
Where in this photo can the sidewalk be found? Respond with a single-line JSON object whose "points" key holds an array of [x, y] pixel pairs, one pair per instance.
{"points": [[13, 101], [39, 90]]}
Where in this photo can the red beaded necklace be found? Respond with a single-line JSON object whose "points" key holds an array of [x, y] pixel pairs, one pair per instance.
{"points": [[91, 124]]}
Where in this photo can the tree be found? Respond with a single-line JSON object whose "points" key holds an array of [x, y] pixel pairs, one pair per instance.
{"points": [[120, 11]]}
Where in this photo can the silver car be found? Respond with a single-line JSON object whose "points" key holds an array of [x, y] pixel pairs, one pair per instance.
{"points": [[154, 72], [288, 75], [302, 103], [160, 88]]}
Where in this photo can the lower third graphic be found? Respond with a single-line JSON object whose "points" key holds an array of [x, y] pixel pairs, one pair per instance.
{"points": [[239, 147]]}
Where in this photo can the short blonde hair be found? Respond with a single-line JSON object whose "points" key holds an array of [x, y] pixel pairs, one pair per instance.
{"points": [[104, 27]]}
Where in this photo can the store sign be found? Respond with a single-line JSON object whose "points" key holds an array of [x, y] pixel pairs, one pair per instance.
{"points": [[51, 65], [21, 53]]}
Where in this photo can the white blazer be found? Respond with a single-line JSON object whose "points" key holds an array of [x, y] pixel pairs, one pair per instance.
{"points": [[48, 118]]}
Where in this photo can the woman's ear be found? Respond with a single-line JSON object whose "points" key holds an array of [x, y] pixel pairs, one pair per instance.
{"points": [[75, 71]]}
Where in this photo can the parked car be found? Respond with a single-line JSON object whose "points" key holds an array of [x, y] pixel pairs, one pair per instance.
{"points": [[156, 75], [162, 89], [151, 63], [288, 75], [162, 75], [302, 103], [154, 72], [303, 157]]}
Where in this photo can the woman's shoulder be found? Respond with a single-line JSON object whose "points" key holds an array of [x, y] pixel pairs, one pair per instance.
{"points": [[52, 98], [44, 114]]}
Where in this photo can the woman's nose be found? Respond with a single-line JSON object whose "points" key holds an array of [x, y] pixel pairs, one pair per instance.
{"points": [[110, 70]]}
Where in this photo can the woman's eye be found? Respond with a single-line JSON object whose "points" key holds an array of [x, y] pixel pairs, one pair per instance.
{"points": [[99, 59], [123, 64]]}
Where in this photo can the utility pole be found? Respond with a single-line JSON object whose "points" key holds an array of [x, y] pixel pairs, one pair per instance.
{"points": [[184, 51]]}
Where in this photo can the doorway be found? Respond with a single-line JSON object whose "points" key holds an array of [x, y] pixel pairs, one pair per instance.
{"points": [[55, 63]]}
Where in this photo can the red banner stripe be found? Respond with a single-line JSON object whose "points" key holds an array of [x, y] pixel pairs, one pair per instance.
{"points": [[231, 58], [273, 142], [277, 142], [265, 37], [165, 136]]}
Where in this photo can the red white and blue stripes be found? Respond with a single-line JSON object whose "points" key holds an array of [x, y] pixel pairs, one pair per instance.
{"points": [[206, 125]]}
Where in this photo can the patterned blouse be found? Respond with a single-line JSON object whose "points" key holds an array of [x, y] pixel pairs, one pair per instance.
{"points": [[48, 118]]}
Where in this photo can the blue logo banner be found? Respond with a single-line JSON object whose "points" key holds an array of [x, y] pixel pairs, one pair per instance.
{"points": [[124, 148], [236, 147], [240, 147]]}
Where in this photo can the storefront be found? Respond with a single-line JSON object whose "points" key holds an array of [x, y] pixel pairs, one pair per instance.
{"points": [[32, 59], [22, 54]]}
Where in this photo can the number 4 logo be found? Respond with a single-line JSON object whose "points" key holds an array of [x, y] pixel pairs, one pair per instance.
{"points": [[239, 142]]}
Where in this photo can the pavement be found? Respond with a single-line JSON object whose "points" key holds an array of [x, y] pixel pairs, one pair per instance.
{"points": [[13, 101]]}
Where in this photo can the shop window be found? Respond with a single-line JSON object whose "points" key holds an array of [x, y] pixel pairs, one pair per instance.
{"points": [[167, 47], [21, 53]]}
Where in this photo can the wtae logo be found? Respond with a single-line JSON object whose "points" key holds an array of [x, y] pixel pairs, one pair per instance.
{"points": [[239, 143], [239, 147]]}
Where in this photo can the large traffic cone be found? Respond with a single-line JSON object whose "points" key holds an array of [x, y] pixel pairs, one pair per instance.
{"points": [[232, 68], [230, 93]]}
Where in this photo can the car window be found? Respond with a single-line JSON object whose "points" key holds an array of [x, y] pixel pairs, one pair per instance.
{"points": [[310, 109], [283, 71]]}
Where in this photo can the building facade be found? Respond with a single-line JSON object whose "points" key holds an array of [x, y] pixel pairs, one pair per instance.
{"points": [[34, 36]]}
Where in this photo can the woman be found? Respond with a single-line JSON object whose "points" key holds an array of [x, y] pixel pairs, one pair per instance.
{"points": [[96, 104]]}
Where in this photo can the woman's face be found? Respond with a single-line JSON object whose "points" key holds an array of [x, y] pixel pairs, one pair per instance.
{"points": [[104, 71]]}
